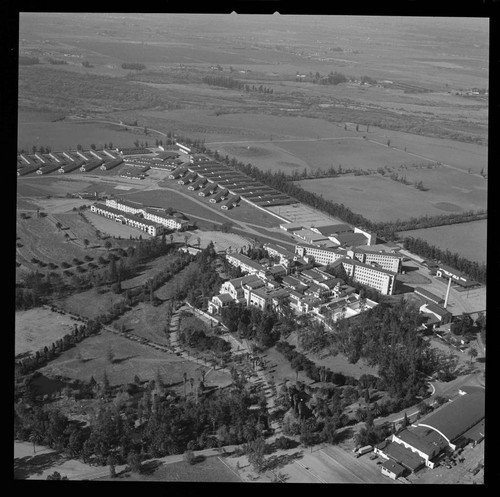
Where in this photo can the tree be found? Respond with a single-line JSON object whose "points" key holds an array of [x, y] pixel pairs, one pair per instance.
{"points": [[56, 476], [112, 466], [388, 143], [86, 243], [107, 245], [134, 461], [473, 353], [59, 225], [256, 452]]}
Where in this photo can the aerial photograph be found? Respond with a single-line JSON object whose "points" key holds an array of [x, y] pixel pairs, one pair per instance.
{"points": [[251, 248]]}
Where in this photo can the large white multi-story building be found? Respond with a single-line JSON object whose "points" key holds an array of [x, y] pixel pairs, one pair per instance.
{"points": [[130, 219], [323, 256], [378, 278], [386, 260], [155, 215]]}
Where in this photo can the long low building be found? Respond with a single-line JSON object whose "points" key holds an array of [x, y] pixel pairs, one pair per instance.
{"points": [[246, 264], [429, 295], [154, 229], [321, 255]]}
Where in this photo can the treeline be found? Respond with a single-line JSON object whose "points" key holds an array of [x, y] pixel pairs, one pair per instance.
{"points": [[43, 356], [229, 82], [420, 247], [57, 62], [223, 81], [333, 78], [299, 362], [133, 65], [26, 60]]}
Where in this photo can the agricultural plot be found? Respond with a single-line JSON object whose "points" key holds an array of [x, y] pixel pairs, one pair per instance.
{"points": [[62, 135], [382, 199], [51, 185], [40, 327], [89, 358], [467, 239]]}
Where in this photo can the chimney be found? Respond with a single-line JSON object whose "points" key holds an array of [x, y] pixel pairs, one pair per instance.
{"points": [[447, 294]]}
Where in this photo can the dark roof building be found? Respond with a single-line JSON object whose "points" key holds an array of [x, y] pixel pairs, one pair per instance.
{"points": [[428, 295], [453, 419]]}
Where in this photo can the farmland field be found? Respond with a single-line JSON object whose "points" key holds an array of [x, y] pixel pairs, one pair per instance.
{"points": [[467, 239], [67, 134], [40, 327], [382, 199], [131, 359]]}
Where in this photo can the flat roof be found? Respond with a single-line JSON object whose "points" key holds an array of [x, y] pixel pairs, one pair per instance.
{"points": [[436, 309], [427, 294]]}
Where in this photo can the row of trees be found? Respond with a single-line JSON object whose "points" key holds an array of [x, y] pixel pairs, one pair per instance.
{"points": [[48, 353], [420, 247], [333, 78]]}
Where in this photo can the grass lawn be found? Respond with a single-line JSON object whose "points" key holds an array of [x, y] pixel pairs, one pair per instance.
{"points": [[38, 327], [131, 358], [88, 303]]}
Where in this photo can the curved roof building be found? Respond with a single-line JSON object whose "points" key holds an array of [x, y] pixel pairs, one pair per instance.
{"points": [[453, 419]]}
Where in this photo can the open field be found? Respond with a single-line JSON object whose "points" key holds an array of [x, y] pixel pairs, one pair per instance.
{"points": [[382, 199], [88, 303], [54, 184], [38, 327], [41, 239], [467, 239], [221, 241], [67, 134], [130, 359]]}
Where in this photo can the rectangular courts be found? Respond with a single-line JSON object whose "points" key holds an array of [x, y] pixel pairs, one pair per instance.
{"points": [[303, 215]]}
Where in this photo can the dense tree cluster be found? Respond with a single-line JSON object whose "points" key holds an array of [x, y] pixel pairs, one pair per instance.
{"points": [[158, 424], [388, 337], [223, 81], [471, 268], [198, 339], [333, 78], [252, 323]]}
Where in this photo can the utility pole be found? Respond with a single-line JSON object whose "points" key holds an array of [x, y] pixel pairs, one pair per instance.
{"points": [[447, 293]]}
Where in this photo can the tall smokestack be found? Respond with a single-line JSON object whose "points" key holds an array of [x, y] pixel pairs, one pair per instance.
{"points": [[447, 294]]}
